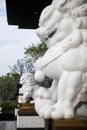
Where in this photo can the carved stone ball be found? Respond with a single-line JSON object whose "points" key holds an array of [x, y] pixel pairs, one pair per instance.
{"points": [[39, 76]]}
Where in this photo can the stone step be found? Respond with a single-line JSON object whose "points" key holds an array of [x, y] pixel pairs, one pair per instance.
{"points": [[7, 125]]}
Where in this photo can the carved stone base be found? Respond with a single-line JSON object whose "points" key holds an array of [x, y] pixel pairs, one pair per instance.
{"points": [[28, 119], [30, 122]]}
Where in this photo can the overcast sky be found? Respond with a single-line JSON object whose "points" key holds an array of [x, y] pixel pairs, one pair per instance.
{"points": [[12, 41]]}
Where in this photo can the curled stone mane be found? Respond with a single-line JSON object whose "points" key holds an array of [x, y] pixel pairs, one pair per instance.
{"points": [[69, 5]]}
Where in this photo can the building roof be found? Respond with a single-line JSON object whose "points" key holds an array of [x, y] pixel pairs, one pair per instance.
{"points": [[25, 13]]}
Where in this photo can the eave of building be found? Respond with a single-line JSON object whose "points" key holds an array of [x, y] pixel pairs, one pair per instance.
{"points": [[25, 13]]}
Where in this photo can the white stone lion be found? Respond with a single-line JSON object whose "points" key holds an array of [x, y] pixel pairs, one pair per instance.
{"points": [[28, 89], [63, 27]]}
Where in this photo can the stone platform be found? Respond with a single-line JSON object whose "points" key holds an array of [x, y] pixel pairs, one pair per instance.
{"points": [[30, 122], [7, 125], [28, 119], [66, 124]]}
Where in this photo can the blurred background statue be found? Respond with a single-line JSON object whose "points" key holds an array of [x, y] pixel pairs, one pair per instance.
{"points": [[28, 89]]}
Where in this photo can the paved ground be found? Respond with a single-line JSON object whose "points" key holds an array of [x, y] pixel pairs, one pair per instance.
{"points": [[7, 125]]}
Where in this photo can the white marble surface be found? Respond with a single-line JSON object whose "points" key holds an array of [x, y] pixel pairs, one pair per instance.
{"points": [[63, 28], [30, 122]]}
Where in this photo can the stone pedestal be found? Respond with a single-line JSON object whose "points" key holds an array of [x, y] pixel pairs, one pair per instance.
{"points": [[29, 122], [28, 119], [26, 108], [66, 124]]}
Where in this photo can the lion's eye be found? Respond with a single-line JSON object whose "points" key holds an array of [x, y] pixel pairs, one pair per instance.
{"points": [[50, 35]]}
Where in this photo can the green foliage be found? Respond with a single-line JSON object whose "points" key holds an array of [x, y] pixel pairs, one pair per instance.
{"points": [[7, 107], [32, 53], [8, 84], [5, 86], [35, 51]]}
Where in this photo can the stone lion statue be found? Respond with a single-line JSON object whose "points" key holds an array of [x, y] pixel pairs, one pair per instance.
{"points": [[63, 27], [28, 89]]}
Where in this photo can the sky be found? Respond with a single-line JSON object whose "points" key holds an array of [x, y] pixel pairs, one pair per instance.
{"points": [[12, 41]]}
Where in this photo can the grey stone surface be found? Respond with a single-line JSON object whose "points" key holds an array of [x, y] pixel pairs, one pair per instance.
{"points": [[2, 125], [10, 125], [7, 125]]}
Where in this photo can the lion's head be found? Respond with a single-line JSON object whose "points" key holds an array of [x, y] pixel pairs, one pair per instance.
{"points": [[60, 18]]}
